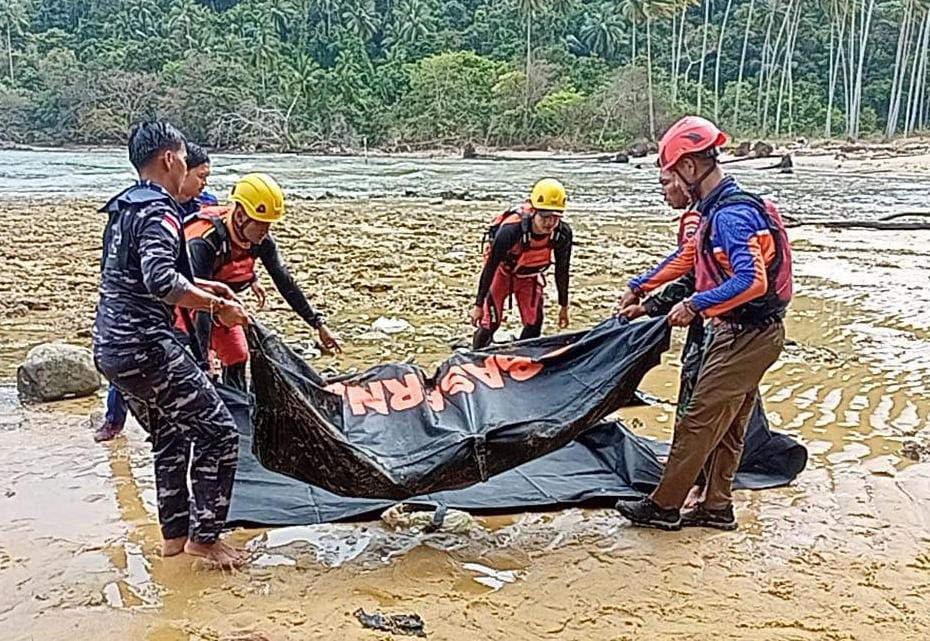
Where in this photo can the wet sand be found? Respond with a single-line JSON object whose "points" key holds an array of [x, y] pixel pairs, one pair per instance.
{"points": [[842, 554]]}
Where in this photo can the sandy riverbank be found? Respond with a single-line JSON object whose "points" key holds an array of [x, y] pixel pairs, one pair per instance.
{"points": [[843, 554]]}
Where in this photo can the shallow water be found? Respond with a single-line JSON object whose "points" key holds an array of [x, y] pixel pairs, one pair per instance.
{"points": [[842, 554], [814, 191]]}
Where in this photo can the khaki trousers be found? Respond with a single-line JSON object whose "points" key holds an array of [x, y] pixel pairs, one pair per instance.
{"points": [[709, 436]]}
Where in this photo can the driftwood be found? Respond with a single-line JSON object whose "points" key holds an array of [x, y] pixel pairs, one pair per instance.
{"points": [[885, 223]]}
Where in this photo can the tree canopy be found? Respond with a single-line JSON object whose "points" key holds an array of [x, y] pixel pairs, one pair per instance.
{"points": [[397, 74]]}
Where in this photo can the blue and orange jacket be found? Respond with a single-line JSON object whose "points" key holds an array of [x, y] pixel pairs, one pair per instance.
{"points": [[740, 255]]}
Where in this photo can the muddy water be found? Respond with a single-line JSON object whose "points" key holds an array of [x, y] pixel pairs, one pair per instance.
{"points": [[843, 554]]}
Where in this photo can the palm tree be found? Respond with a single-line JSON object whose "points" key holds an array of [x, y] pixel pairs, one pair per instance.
{"points": [[867, 10], [770, 23], [835, 11], [12, 18], [700, 87], [787, 66], [326, 9], [902, 53], [742, 64], [645, 11], [602, 31], [682, 6], [719, 57], [412, 22], [917, 104], [916, 88], [528, 8], [360, 16], [632, 10], [654, 9], [181, 14]]}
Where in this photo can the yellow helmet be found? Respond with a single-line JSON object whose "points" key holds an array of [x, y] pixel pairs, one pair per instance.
{"points": [[260, 196], [548, 194]]}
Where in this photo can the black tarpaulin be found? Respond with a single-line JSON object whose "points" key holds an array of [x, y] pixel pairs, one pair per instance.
{"points": [[605, 463], [392, 432]]}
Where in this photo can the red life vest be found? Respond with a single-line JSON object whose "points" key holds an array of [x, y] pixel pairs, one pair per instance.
{"points": [[529, 256], [776, 250], [687, 225], [234, 265]]}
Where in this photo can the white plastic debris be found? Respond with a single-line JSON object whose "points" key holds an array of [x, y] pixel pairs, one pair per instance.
{"points": [[391, 325]]}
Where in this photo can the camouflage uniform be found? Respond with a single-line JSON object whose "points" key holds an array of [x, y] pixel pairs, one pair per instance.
{"points": [[145, 271]]}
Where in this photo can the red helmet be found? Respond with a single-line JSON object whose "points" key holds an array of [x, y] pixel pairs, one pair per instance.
{"points": [[690, 135]]}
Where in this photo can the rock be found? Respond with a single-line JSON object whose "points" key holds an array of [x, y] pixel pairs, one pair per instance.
{"points": [[917, 447], [454, 194], [391, 325], [786, 166], [53, 371], [505, 336], [652, 147], [639, 150], [308, 351], [468, 152], [402, 624], [406, 517], [763, 149], [460, 343], [743, 150], [621, 158]]}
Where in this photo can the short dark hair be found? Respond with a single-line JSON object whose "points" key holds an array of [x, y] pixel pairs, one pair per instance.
{"points": [[148, 138], [196, 155]]}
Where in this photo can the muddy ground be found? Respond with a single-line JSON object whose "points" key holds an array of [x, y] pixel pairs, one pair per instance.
{"points": [[842, 554]]}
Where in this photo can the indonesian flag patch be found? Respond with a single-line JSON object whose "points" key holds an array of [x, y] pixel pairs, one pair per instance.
{"points": [[170, 223]]}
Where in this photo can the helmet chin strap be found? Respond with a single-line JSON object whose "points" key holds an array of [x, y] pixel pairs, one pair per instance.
{"points": [[238, 229], [694, 188]]}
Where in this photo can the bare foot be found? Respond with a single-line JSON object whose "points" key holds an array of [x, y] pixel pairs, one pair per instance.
{"points": [[695, 496], [236, 552], [220, 554], [173, 547]]}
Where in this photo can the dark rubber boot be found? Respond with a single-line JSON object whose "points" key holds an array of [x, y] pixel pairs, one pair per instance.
{"points": [[531, 331], [234, 376], [482, 338], [722, 519], [645, 513]]}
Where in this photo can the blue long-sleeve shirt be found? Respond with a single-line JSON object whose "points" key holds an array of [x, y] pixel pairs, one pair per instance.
{"points": [[742, 247]]}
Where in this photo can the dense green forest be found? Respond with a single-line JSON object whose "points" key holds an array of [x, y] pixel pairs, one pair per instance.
{"points": [[401, 74]]}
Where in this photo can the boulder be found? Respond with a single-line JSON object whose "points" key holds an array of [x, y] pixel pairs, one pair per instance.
{"points": [[652, 147], [53, 371], [621, 158], [763, 149], [468, 152], [743, 150], [639, 150]]}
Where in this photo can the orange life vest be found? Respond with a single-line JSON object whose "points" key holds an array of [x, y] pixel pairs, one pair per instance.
{"points": [[234, 265], [529, 256]]}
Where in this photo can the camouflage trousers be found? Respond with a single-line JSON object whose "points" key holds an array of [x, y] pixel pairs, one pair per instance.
{"points": [[190, 428]]}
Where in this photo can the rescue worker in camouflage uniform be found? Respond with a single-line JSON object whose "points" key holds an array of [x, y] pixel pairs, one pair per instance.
{"points": [[145, 274]]}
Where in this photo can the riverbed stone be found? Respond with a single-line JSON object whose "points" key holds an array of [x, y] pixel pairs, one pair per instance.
{"points": [[763, 149], [639, 150], [53, 371]]}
